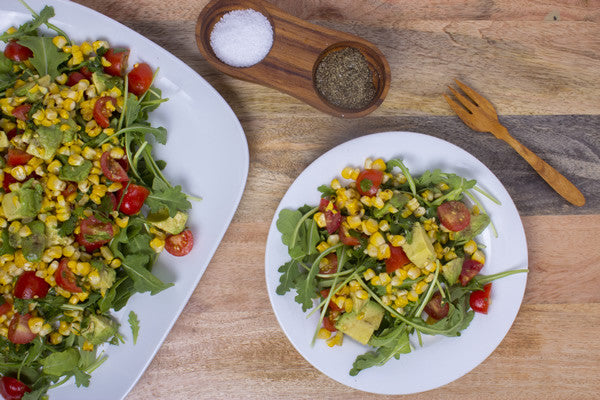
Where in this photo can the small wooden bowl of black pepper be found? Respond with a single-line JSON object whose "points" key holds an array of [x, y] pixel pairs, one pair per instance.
{"points": [[336, 72]]}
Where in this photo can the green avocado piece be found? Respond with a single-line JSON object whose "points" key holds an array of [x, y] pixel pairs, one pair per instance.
{"points": [[397, 201], [104, 82], [452, 269], [420, 250], [24, 202], [360, 324], [98, 329], [476, 226], [45, 141], [33, 245], [172, 225], [75, 173]]}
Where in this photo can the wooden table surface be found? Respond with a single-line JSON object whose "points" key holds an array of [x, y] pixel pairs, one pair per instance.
{"points": [[537, 61]]}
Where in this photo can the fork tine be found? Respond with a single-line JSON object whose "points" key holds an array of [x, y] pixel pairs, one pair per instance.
{"points": [[463, 100], [463, 114], [477, 98]]}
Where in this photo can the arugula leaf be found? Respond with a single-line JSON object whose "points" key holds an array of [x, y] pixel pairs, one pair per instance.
{"points": [[30, 27], [286, 224], [60, 363], [326, 191], [289, 275], [171, 198], [81, 378], [134, 323], [46, 56], [388, 349], [143, 280]]}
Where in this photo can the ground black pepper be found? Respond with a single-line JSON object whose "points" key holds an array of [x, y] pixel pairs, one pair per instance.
{"points": [[344, 79]]}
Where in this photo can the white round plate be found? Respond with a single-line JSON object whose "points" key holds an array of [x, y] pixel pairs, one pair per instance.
{"points": [[442, 359], [203, 132]]}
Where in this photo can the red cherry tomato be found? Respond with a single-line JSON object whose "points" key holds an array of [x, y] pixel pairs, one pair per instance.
{"points": [[470, 268], [12, 389], [435, 309], [180, 244], [112, 169], [65, 278], [70, 189], [133, 199], [101, 112], [333, 218], [20, 112], [118, 61], [398, 259], [29, 286], [332, 264], [94, 233], [346, 238], [16, 157], [329, 324], [5, 307], [17, 52], [368, 182], [480, 299], [75, 77], [140, 79], [18, 330], [86, 72], [12, 133], [332, 305], [454, 215]]}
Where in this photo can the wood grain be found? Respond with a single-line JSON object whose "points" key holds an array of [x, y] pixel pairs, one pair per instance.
{"points": [[536, 61]]}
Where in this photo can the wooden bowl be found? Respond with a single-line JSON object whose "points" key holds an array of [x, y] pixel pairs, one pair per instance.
{"points": [[298, 47]]}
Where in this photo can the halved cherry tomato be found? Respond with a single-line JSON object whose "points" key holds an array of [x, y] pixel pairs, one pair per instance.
{"points": [[65, 278], [480, 299], [75, 77], [180, 244], [86, 72], [20, 112], [346, 238], [29, 286], [18, 330], [94, 233], [12, 389], [329, 324], [70, 189], [102, 113], [454, 215], [333, 218], [112, 169], [17, 52], [12, 133], [368, 182], [332, 305], [8, 180], [140, 79], [397, 259], [435, 309], [332, 264], [470, 268], [118, 61], [5, 307], [16, 157], [133, 199]]}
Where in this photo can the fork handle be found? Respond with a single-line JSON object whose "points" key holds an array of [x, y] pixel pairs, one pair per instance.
{"points": [[554, 178]]}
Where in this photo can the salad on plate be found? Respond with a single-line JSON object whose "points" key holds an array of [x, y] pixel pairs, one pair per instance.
{"points": [[387, 256], [85, 207]]}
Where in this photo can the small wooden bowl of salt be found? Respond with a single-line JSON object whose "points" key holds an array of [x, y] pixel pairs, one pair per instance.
{"points": [[336, 72]]}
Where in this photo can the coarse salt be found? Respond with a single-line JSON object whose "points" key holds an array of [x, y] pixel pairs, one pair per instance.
{"points": [[242, 38]]}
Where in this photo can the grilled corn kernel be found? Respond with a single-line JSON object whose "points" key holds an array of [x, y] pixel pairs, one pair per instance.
{"points": [[322, 246], [157, 244], [354, 221], [319, 218], [414, 272], [412, 296], [368, 274], [370, 226], [337, 340], [332, 240], [478, 256], [376, 239], [361, 294], [348, 304], [378, 164], [397, 240], [323, 334]]}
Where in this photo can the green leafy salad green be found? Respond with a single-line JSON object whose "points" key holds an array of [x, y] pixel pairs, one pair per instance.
{"points": [[387, 255]]}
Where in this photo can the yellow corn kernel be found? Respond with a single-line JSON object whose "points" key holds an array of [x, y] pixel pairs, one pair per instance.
{"points": [[157, 244], [106, 253], [384, 278], [443, 186], [372, 251], [478, 256], [83, 268], [35, 324], [87, 346], [322, 247], [375, 281], [323, 334], [24, 231], [332, 240], [347, 172], [386, 195], [68, 251], [319, 218], [412, 204], [352, 206], [122, 222], [94, 277], [337, 340], [412, 296], [335, 184], [419, 212], [368, 163], [401, 301], [19, 173], [420, 287], [406, 213], [370, 226], [348, 304], [413, 272], [450, 255], [46, 329], [75, 160], [361, 294], [117, 152], [59, 41], [54, 183], [378, 202], [339, 301], [56, 338], [376, 239], [89, 153], [366, 200], [115, 263], [379, 164], [383, 251], [368, 274], [354, 221], [397, 240]]}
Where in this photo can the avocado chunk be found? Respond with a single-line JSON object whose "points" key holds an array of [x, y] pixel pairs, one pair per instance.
{"points": [[397, 201], [478, 223], [45, 141], [172, 225], [98, 329], [33, 245], [420, 250], [24, 202], [75, 173], [452, 269], [360, 324]]}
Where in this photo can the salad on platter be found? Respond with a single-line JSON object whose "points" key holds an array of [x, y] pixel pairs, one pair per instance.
{"points": [[387, 256], [85, 207]]}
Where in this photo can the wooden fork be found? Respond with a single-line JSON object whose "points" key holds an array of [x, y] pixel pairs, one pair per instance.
{"points": [[480, 115]]}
